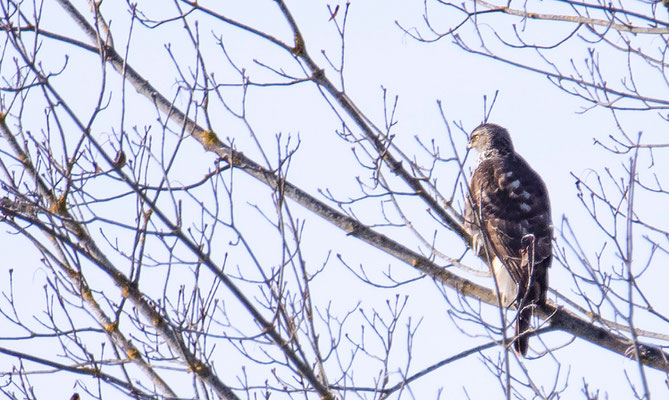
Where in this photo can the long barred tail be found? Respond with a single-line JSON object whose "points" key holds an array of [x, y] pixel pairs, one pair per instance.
{"points": [[522, 326], [528, 295]]}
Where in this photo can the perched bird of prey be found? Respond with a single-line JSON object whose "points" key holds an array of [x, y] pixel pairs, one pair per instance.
{"points": [[508, 214]]}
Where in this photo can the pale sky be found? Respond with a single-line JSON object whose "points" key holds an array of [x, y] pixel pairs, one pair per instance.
{"points": [[546, 124]]}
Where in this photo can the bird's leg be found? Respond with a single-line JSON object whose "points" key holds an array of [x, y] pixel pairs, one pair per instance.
{"points": [[477, 241], [527, 243]]}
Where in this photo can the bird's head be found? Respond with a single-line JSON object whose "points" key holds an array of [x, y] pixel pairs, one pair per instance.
{"points": [[490, 139]]}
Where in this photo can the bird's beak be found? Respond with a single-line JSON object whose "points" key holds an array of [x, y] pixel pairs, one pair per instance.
{"points": [[470, 145]]}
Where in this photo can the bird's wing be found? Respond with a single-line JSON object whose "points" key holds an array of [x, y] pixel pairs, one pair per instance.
{"points": [[511, 201]]}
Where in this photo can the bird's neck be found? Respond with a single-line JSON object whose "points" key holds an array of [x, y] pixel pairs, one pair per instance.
{"points": [[493, 153]]}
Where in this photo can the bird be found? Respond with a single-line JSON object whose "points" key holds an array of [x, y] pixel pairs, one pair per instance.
{"points": [[508, 213]]}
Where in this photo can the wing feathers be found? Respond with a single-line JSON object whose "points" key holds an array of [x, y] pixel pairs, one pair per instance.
{"points": [[508, 202]]}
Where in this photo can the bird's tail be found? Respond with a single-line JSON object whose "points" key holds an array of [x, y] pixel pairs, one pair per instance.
{"points": [[522, 326], [527, 296]]}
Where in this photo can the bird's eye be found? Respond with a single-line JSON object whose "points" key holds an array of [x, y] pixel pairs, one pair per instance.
{"points": [[475, 138]]}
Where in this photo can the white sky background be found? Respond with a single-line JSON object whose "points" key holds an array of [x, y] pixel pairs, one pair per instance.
{"points": [[544, 123]]}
